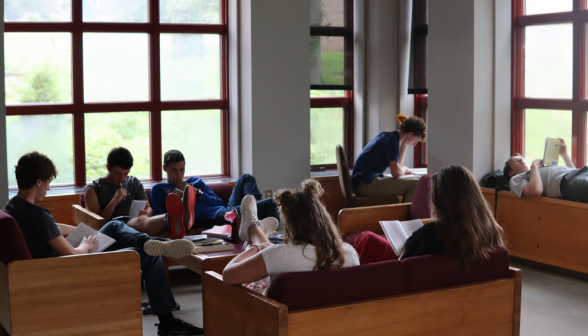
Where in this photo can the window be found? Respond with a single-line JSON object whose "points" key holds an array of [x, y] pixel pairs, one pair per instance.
{"points": [[84, 76], [331, 81], [549, 77]]}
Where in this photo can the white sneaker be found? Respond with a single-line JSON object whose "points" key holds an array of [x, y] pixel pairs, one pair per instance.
{"points": [[269, 225], [248, 216], [175, 249]]}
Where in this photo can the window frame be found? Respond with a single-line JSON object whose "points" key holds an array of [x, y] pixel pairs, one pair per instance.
{"points": [[578, 104], [421, 101], [345, 102], [76, 27]]}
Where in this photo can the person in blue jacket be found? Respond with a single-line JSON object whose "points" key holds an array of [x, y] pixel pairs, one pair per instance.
{"points": [[209, 209]]}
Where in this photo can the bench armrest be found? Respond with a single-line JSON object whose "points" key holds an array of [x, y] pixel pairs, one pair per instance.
{"points": [[86, 216], [74, 295], [250, 313]]}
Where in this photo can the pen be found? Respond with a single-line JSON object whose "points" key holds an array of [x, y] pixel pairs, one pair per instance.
{"points": [[121, 188]]}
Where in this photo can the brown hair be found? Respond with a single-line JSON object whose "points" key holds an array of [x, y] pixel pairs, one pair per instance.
{"points": [[308, 222], [31, 167], [464, 219], [507, 168], [416, 125]]}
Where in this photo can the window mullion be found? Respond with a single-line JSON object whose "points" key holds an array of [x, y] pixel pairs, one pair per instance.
{"points": [[579, 138]]}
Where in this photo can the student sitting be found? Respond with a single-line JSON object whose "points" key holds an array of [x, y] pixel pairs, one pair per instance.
{"points": [[312, 239], [567, 182], [209, 209], [111, 197], [44, 238], [464, 227], [385, 151]]}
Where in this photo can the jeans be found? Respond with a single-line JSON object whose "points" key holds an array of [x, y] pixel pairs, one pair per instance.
{"points": [[152, 271], [246, 185], [574, 185]]}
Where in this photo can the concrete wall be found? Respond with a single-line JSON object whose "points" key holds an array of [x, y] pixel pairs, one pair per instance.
{"points": [[274, 89]]}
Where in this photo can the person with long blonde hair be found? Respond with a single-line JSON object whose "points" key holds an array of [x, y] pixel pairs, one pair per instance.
{"points": [[312, 239], [463, 226]]}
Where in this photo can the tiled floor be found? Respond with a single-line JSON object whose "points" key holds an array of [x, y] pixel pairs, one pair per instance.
{"points": [[552, 303]]}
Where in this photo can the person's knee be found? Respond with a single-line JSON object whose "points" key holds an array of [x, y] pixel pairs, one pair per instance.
{"points": [[247, 177]]}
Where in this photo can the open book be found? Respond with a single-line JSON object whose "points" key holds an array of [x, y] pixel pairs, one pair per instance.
{"points": [[398, 232], [136, 206], [551, 154], [83, 230]]}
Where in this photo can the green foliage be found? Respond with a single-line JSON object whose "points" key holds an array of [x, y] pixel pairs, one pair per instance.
{"points": [[42, 86], [326, 132], [191, 11], [332, 68], [541, 124]]}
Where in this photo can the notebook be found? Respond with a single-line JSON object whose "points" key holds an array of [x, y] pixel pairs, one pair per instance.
{"points": [[83, 230], [219, 231]]}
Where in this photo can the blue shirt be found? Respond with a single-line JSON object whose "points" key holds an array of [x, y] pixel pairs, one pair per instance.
{"points": [[375, 158], [205, 208]]}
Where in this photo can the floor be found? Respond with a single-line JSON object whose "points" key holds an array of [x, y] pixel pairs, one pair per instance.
{"points": [[552, 303]]}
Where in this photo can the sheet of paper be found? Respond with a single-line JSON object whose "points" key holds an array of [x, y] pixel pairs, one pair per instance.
{"points": [[83, 230], [551, 155], [137, 206]]}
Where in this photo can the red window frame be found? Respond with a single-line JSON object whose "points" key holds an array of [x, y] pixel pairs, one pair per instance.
{"points": [[345, 102], [78, 107], [578, 104]]}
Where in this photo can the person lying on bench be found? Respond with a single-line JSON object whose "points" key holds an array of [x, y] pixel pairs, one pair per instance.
{"points": [[209, 209], [463, 225], [567, 182], [44, 238], [312, 239], [385, 151], [111, 197]]}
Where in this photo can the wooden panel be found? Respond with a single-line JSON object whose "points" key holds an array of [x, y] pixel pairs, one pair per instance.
{"points": [[96, 294], [517, 275], [368, 218], [482, 309], [60, 207], [333, 198], [201, 263], [83, 215], [4, 300], [236, 310]]}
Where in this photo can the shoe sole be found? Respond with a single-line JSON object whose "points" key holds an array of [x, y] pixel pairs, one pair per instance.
{"points": [[189, 203], [269, 224], [175, 211], [243, 234], [175, 249]]}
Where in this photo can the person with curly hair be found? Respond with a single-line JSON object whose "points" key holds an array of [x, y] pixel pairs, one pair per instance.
{"points": [[387, 150]]}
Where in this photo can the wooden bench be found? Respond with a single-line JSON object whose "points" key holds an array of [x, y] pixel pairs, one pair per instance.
{"points": [[542, 229]]}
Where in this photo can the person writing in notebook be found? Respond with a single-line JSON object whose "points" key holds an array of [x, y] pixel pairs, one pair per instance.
{"points": [[312, 240], [463, 226], [44, 238], [387, 150], [535, 180]]}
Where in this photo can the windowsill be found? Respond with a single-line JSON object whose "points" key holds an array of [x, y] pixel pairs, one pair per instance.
{"points": [[68, 191], [417, 171]]}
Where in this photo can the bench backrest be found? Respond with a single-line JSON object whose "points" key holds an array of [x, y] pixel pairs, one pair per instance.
{"points": [[223, 190], [302, 290], [12, 243]]}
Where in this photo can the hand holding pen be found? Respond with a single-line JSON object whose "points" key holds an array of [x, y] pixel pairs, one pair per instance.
{"points": [[121, 194]]}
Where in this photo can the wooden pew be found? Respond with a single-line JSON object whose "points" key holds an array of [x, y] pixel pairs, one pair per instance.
{"points": [[485, 308], [542, 229]]}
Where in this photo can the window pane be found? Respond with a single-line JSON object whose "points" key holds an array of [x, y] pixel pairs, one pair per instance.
{"points": [[38, 67], [189, 11], [114, 10], [190, 66], [326, 132], [327, 93], [202, 148], [548, 6], [542, 124], [327, 13], [48, 134], [327, 60], [105, 131], [548, 61], [116, 67], [37, 10]]}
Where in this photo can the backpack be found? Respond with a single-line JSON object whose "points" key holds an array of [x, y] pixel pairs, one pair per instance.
{"points": [[496, 180]]}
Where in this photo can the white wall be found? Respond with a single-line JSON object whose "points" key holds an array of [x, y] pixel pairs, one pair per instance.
{"points": [[468, 85], [274, 90]]}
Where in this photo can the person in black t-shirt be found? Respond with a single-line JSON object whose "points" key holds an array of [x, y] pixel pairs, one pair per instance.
{"points": [[463, 225], [44, 238]]}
